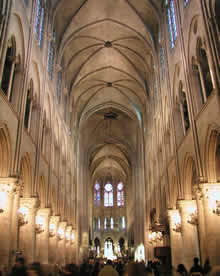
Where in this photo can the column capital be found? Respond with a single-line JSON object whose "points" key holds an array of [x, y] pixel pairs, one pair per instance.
{"points": [[186, 204], [55, 219], [209, 190], [44, 212], [30, 202]]}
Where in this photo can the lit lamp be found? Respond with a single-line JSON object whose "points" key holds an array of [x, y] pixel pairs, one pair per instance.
{"points": [[22, 216], [52, 230], [193, 217], [159, 236], [176, 222], [39, 226], [68, 236], [216, 210], [72, 237], [60, 234]]}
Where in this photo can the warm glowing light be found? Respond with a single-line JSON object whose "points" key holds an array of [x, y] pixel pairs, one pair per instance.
{"points": [[68, 235], [52, 229], [40, 224], [3, 200], [193, 216], [176, 222], [60, 233], [72, 237], [140, 253], [22, 215]]}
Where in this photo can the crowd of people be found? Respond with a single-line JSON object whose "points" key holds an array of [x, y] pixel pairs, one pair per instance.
{"points": [[120, 267]]}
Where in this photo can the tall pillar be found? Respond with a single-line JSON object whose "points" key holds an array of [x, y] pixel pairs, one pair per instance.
{"points": [[211, 205], [175, 237], [7, 187], [27, 231], [189, 229], [53, 240], [42, 235], [61, 252]]}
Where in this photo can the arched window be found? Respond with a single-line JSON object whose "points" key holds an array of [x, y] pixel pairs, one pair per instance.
{"points": [[97, 194], [39, 22], [120, 194], [59, 85], [28, 106], [99, 224], [94, 223], [105, 223], [123, 222], [51, 54], [112, 223], [186, 2], [9, 71], [172, 22], [108, 195]]}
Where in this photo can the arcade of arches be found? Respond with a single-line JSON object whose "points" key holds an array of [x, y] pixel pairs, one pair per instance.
{"points": [[109, 130]]}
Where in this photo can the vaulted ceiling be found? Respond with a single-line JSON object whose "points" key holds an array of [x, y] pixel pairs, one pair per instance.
{"points": [[107, 51]]}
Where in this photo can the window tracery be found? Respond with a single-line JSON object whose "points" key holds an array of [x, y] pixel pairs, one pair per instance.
{"points": [[186, 2], [171, 14], [120, 194], [108, 195], [39, 22], [97, 195], [51, 55]]}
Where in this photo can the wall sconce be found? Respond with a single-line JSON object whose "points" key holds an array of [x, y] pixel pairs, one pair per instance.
{"points": [[39, 226], [68, 235], [72, 238], [216, 210], [22, 216], [193, 218], [159, 236], [177, 223], [60, 234], [52, 230]]}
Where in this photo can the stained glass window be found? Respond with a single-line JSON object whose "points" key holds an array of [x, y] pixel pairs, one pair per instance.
{"points": [[112, 223], [186, 2], [120, 194], [97, 195], [99, 224], [108, 195], [50, 59], [172, 23], [123, 222], [39, 22], [105, 223]]}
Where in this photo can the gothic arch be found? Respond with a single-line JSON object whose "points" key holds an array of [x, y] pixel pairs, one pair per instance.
{"points": [[26, 175], [189, 174], [212, 154], [5, 151], [42, 192]]}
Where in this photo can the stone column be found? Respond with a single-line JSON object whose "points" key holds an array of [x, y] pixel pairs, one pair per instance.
{"points": [[61, 252], [188, 211], [27, 231], [175, 238], [14, 226], [7, 187], [211, 205], [53, 240], [42, 237]]}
